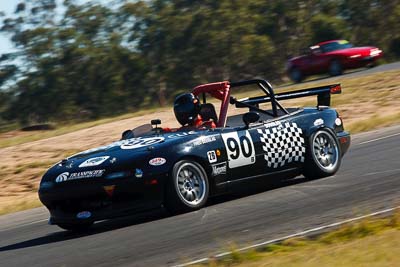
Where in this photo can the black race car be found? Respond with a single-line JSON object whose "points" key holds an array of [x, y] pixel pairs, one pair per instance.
{"points": [[181, 168]]}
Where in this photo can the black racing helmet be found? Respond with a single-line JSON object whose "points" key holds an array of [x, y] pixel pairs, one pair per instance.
{"points": [[186, 108]]}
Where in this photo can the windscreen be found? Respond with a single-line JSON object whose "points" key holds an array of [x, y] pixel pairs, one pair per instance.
{"points": [[142, 130], [329, 47]]}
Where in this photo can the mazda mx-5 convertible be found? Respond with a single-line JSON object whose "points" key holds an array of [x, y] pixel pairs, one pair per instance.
{"points": [[153, 165]]}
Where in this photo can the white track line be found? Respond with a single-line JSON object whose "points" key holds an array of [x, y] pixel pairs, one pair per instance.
{"points": [[377, 139], [303, 233], [381, 172]]}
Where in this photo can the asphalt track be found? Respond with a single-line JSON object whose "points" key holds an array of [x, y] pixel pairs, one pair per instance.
{"points": [[369, 180]]}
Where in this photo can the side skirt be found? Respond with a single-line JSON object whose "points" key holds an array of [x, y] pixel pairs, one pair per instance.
{"points": [[280, 174]]}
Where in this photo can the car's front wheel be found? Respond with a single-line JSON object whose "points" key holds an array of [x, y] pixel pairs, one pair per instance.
{"points": [[188, 188], [335, 68], [323, 157], [296, 75]]}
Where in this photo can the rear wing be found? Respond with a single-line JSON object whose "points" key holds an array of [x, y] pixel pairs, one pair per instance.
{"points": [[323, 94]]}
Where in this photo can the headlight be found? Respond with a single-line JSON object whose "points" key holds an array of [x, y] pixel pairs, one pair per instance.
{"points": [[375, 52]]}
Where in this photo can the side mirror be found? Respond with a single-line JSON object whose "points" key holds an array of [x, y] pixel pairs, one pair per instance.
{"points": [[250, 117], [155, 122], [315, 50]]}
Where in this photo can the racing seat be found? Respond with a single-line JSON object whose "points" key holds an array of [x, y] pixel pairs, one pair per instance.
{"points": [[207, 113]]}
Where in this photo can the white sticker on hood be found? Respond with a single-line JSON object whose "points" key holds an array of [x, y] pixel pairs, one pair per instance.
{"points": [[141, 142], [93, 161]]}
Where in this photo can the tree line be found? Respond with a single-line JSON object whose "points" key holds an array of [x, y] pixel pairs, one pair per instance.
{"points": [[81, 61]]}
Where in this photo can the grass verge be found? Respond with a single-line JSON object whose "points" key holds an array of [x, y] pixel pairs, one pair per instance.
{"points": [[373, 122], [369, 242], [26, 202], [61, 129]]}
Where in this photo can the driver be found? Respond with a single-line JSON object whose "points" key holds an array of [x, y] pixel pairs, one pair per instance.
{"points": [[187, 108]]}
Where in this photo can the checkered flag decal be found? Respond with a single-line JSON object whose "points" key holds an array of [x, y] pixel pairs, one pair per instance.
{"points": [[282, 144]]}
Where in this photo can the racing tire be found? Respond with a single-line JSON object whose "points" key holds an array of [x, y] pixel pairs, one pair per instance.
{"points": [[296, 75], [335, 68], [75, 227], [188, 188], [323, 157]]}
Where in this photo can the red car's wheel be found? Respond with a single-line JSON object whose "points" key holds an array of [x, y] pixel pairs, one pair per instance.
{"points": [[296, 75], [335, 68]]}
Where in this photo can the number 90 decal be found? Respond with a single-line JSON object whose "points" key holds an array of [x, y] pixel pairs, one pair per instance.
{"points": [[239, 148]]}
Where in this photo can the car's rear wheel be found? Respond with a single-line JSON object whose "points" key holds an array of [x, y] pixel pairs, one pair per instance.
{"points": [[323, 157], [335, 68], [76, 227], [296, 75], [188, 188]]}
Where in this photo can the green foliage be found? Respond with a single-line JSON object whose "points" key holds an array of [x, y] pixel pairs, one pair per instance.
{"points": [[325, 27], [97, 60], [395, 47]]}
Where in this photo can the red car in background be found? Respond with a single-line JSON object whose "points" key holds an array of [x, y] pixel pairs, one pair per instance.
{"points": [[331, 57]]}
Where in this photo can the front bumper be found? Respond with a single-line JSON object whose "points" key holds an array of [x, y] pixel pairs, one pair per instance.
{"points": [[107, 212], [68, 202]]}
